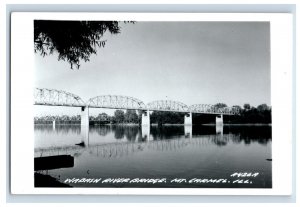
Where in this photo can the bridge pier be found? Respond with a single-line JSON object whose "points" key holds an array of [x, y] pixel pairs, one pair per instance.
{"points": [[146, 132], [53, 125], [85, 124], [85, 116], [188, 119], [219, 119], [146, 118], [188, 131], [219, 129]]}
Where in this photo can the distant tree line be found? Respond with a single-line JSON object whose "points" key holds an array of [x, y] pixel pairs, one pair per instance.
{"points": [[248, 114], [64, 119], [128, 117], [119, 117], [262, 114], [166, 117]]}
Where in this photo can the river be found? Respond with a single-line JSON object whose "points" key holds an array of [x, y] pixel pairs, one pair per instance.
{"points": [[168, 156]]}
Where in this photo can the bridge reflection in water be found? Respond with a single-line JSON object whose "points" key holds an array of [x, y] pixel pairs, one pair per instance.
{"points": [[137, 139], [114, 151]]}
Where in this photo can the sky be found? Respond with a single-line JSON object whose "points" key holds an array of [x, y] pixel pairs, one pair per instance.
{"points": [[189, 62]]}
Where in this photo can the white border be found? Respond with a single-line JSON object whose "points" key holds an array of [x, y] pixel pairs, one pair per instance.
{"points": [[21, 101]]}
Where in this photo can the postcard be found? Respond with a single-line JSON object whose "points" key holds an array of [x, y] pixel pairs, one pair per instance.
{"points": [[151, 103]]}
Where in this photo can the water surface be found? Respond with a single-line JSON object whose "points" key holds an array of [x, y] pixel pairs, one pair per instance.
{"points": [[169, 152]]}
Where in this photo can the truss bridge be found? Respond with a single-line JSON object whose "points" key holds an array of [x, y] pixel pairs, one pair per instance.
{"points": [[53, 97]]}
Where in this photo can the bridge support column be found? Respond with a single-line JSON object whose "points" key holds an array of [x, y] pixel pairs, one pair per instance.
{"points": [[146, 118], [85, 125], [188, 131], [188, 119], [219, 119], [53, 124], [146, 132], [219, 129]]}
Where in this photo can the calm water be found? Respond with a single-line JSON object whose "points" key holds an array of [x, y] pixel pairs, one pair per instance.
{"points": [[188, 154]]}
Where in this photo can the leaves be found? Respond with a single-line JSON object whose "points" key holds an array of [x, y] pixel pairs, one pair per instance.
{"points": [[220, 105], [74, 41]]}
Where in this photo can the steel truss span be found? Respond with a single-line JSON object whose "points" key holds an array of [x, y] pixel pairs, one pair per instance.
{"points": [[211, 109], [116, 102], [167, 105], [52, 97]]}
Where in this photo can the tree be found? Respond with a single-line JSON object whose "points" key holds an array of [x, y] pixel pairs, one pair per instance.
{"points": [[247, 106], [74, 41], [131, 116], [220, 105], [167, 117], [262, 107], [102, 117], [119, 116]]}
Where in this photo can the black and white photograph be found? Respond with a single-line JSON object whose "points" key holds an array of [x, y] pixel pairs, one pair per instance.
{"points": [[152, 104]]}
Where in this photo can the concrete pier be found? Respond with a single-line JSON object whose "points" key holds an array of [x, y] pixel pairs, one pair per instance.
{"points": [[146, 118], [188, 131], [84, 116], [219, 129], [188, 119], [146, 132], [219, 119], [85, 125], [53, 125]]}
